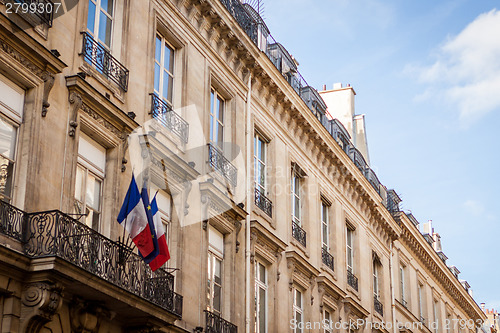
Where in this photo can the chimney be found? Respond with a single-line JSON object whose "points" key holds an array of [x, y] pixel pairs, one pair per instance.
{"points": [[428, 227], [437, 242], [324, 87], [483, 306]]}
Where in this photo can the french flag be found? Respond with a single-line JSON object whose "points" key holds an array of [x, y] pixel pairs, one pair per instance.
{"points": [[134, 218], [163, 254], [149, 214]]}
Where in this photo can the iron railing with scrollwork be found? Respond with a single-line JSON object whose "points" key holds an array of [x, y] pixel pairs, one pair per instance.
{"points": [[43, 10], [327, 258], [216, 324], [55, 234], [352, 280], [219, 162], [12, 221], [169, 118], [379, 307], [97, 55], [298, 233], [263, 202]]}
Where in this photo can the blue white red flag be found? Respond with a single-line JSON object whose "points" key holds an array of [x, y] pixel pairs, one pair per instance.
{"points": [[134, 218], [163, 254]]}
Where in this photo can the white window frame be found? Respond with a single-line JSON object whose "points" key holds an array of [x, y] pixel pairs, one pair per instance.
{"points": [[98, 173], [436, 315], [296, 198], [325, 227], [350, 246], [420, 301], [327, 321], [95, 33], [261, 285], [12, 160], [260, 161], [298, 309], [376, 281], [402, 285], [216, 138], [164, 71], [215, 254]]}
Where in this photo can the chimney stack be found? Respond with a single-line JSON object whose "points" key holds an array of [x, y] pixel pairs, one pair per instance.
{"points": [[428, 228]]}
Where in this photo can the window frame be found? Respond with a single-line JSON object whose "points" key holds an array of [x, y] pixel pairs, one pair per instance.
{"points": [[327, 322], [325, 224], [402, 285], [215, 97], [260, 161], [298, 309], [164, 43], [376, 280], [350, 246], [97, 17], [214, 254], [13, 160], [261, 285], [296, 194]]}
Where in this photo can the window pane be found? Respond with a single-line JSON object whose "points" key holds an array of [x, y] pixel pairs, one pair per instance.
{"points": [[325, 234], [218, 271], [107, 5], [217, 298], [262, 310], [220, 135], [158, 49], [157, 78], [261, 174], [80, 174], [105, 29], [6, 170], [91, 17], [93, 192], [212, 133], [262, 273], [220, 109], [298, 299], [7, 139], [168, 62]]}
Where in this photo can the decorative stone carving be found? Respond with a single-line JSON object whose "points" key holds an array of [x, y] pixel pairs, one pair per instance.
{"points": [[21, 59], [86, 317], [48, 79], [99, 119], [76, 101], [42, 300]]}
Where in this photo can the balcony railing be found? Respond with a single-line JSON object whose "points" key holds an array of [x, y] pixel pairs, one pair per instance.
{"points": [[373, 179], [36, 11], [352, 280], [298, 233], [55, 234], [327, 258], [263, 202], [12, 221], [216, 324], [169, 118], [220, 163], [378, 306], [97, 55], [358, 160]]}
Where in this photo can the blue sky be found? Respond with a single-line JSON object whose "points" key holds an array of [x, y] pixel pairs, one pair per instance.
{"points": [[427, 76]]}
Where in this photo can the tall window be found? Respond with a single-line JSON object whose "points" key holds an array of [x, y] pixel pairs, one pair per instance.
{"points": [[260, 298], [296, 198], [215, 258], [376, 290], [297, 310], [325, 243], [260, 157], [164, 70], [327, 322], [349, 249], [436, 315], [11, 114], [402, 284], [216, 119], [100, 21], [89, 180], [420, 300]]}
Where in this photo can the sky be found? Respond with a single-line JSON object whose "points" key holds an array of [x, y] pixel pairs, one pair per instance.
{"points": [[427, 77]]}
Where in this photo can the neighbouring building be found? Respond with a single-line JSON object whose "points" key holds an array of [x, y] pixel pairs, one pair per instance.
{"points": [[274, 219]]}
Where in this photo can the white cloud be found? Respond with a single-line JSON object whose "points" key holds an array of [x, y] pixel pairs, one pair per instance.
{"points": [[467, 70], [474, 207]]}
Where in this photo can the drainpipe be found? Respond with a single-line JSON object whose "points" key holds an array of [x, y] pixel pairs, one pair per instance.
{"points": [[393, 299], [248, 203]]}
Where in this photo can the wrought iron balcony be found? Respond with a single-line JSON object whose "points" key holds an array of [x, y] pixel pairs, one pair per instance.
{"points": [[36, 11], [97, 55], [379, 307], [12, 221], [263, 202], [220, 163], [169, 118], [358, 159], [352, 280], [216, 324], [298, 233], [373, 179], [55, 234], [244, 19], [327, 258]]}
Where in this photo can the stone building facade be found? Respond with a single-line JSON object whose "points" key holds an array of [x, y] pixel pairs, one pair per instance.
{"points": [[273, 217]]}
